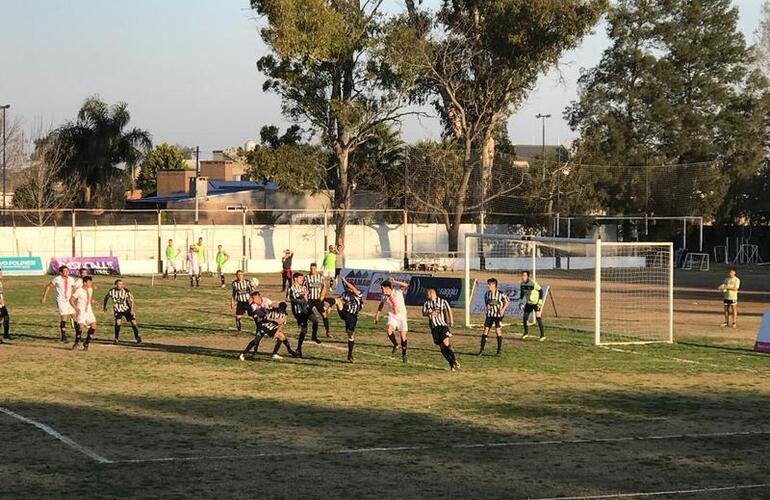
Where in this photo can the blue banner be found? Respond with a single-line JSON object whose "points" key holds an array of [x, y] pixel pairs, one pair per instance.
{"points": [[22, 266]]}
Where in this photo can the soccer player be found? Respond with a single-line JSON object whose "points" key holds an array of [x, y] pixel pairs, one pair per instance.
{"points": [[496, 303], [5, 318], [397, 319], [531, 300], [221, 259], [329, 264], [192, 267], [258, 307], [349, 304], [240, 298], [65, 287], [171, 255], [339, 261], [316, 293], [440, 320], [297, 294], [82, 303], [286, 273], [200, 257], [123, 307], [729, 288], [82, 273], [271, 326]]}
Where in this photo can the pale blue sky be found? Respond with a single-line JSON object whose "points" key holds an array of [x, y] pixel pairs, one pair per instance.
{"points": [[187, 68]]}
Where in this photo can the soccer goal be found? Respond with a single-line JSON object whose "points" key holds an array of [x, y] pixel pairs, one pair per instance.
{"points": [[622, 293], [695, 261]]}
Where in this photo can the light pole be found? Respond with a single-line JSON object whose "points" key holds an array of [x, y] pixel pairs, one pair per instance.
{"points": [[5, 142], [197, 180], [543, 117]]}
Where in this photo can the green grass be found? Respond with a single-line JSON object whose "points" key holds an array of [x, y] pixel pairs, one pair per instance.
{"points": [[184, 394]]}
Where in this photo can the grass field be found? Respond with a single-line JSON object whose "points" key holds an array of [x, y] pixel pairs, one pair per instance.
{"points": [[180, 416]]}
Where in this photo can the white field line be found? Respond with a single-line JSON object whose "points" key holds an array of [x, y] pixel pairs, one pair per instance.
{"points": [[396, 449], [56, 435], [644, 494], [675, 359]]}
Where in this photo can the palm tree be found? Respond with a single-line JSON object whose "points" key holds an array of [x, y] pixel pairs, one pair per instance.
{"points": [[100, 147]]}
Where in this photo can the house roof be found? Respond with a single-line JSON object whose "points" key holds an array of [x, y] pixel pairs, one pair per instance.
{"points": [[215, 188]]}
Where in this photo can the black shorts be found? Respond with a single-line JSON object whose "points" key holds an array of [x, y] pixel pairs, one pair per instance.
{"points": [[440, 333], [731, 302], [351, 320], [303, 319], [3, 311], [337, 271], [316, 304], [493, 321], [124, 315], [241, 308], [529, 308]]}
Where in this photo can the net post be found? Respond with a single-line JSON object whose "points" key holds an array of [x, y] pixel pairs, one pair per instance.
{"points": [[598, 292], [467, 290], [671, 293]]}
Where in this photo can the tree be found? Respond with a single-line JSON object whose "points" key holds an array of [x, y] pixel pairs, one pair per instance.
{"points": [[162, 157], [762, 47], [475, 61], [99, 143], [327, 67]]}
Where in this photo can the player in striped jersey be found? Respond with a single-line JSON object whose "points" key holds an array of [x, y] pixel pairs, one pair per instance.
{"points": [[317, 288], [496, 303], [272, 326], [440, 319], [239, 299], [123, 307], [5, 318], [349, 304], [258, 307], [298, 294], [397, 319]]}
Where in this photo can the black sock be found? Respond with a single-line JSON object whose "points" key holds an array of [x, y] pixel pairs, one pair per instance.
{"points": [[6, 326], [136, 331], [499, 343], [250, 346], [238, 324], [63, 328], [403, 349], [276, 347], [89, 334], [326, 325], [191, 281], [452, 358], [288, 347], [351, 344], [525, 322], [444, 353], [117, 331], [78, 333], [315, 329], [222, 278], [483, 343], [301, 338], [540, 325], [392, 337], [256, 341]]}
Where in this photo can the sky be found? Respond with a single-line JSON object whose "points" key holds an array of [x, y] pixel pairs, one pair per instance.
{"points": [[187, 69]]}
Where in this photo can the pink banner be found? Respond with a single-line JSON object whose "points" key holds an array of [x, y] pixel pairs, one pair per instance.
{"points": [[95, 265]]}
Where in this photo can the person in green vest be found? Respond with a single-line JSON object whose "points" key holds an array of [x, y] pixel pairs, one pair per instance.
{"points": [[221, 259], [170, 261], [729, 289], [200, 257], [531, 300], [329, 265]]}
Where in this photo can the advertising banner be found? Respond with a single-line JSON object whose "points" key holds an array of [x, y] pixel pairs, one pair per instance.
{"points": [[368, 281], [22, 266], [449, 289], [513, 292], [375, 292], [95, 265], [763, 337]]}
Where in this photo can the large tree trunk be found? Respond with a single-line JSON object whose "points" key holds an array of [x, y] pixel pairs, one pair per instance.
{"points": [[343, 193], [460, 197]]}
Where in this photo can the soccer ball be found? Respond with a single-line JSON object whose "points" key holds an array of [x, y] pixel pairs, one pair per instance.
{"points": [[254, 283]]}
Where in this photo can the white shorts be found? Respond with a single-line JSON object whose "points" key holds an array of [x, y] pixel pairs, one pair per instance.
{"points": [[85, 317], [398, 322], [327, 274], [170, 264], [65, 308]]}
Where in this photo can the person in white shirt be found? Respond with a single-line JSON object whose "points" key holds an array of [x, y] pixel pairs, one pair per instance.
{"points": [[397, 320], [82, 302], [82, 273], [65, 287]]}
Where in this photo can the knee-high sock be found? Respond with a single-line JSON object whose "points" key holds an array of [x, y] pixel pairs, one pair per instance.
{"points": [[301, 338], [238, 324], [288, 346], [6, 325], [222, 278], [525, 321], [63, 328], [483, 342], [351, 344], [403, 349], [448, 355], [499, 343], [250, 345], [117, 331], [452, 358], [540, 325], [78, 333], [277, 346], [315, 327], [257, 340], [326, 324], [89, 334], [392, 337], [135, 330]]}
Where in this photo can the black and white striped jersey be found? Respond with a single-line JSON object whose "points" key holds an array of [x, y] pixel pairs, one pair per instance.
{"points": [[315, 286], [275, 316], [495, 301], [297, 295], [352, 302], [241, 290], [440, 306], [122, 299]]}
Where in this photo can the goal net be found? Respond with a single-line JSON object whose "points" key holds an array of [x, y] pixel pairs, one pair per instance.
{"points": [[620, 292]]}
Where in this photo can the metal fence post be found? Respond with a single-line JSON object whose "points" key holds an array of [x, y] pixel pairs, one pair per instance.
{"points": [[73, 234], [406, 241], [160, 244], [244, 262]]}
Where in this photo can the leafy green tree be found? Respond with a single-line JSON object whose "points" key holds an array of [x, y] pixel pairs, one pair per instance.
{"points": [[163, 157], [99, 144]]}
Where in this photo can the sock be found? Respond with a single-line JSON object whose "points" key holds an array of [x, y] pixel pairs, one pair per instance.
{"points": [[197, 281], [452, 358], [89, 334], [6, 326], [392, 337], [403, 350], [63, 328], [351, 344], [191, 281], [250, 346], [238, 324], [288, 347], [136, 331], [78, 333], [526, 326], [499, 343], [483, 343], [540, 325], [256, 341], [117, 331], [222, 278], [326, 325], [277, 346], [315, 329], [301, 339], [174, 273], [445, 354]]}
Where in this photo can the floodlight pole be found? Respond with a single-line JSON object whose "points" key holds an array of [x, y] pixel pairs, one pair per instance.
{"points": [[5, 144], [197, 179], [543, 117]]}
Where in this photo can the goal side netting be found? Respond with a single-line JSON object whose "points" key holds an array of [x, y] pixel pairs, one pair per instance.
{"points": [[620, 293]]}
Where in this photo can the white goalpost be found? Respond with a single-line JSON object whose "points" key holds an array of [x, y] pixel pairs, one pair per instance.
{"points": [[621, 292]]}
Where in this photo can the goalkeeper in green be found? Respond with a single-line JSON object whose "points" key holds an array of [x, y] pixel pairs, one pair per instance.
{"points": [[531, 300]]}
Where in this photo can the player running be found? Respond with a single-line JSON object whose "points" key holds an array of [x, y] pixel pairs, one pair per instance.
{"points": [[349, 304], [65, 287], [82, 303], [317, 288], [496, 303], [729, 288], [440, 320], [531, 300], [5, 318], [298, 295], [239, 299], [221, 259], [170, 262], [271, 326], [397, 317], [123, 307]]}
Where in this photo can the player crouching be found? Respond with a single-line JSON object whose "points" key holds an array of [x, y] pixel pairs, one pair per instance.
{"points": [[349, 304], [123, 307], [440, 319], [271, 327], [82, 302]]}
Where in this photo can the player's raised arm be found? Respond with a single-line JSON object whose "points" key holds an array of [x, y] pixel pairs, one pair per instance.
{"points": [[401, 284]]}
